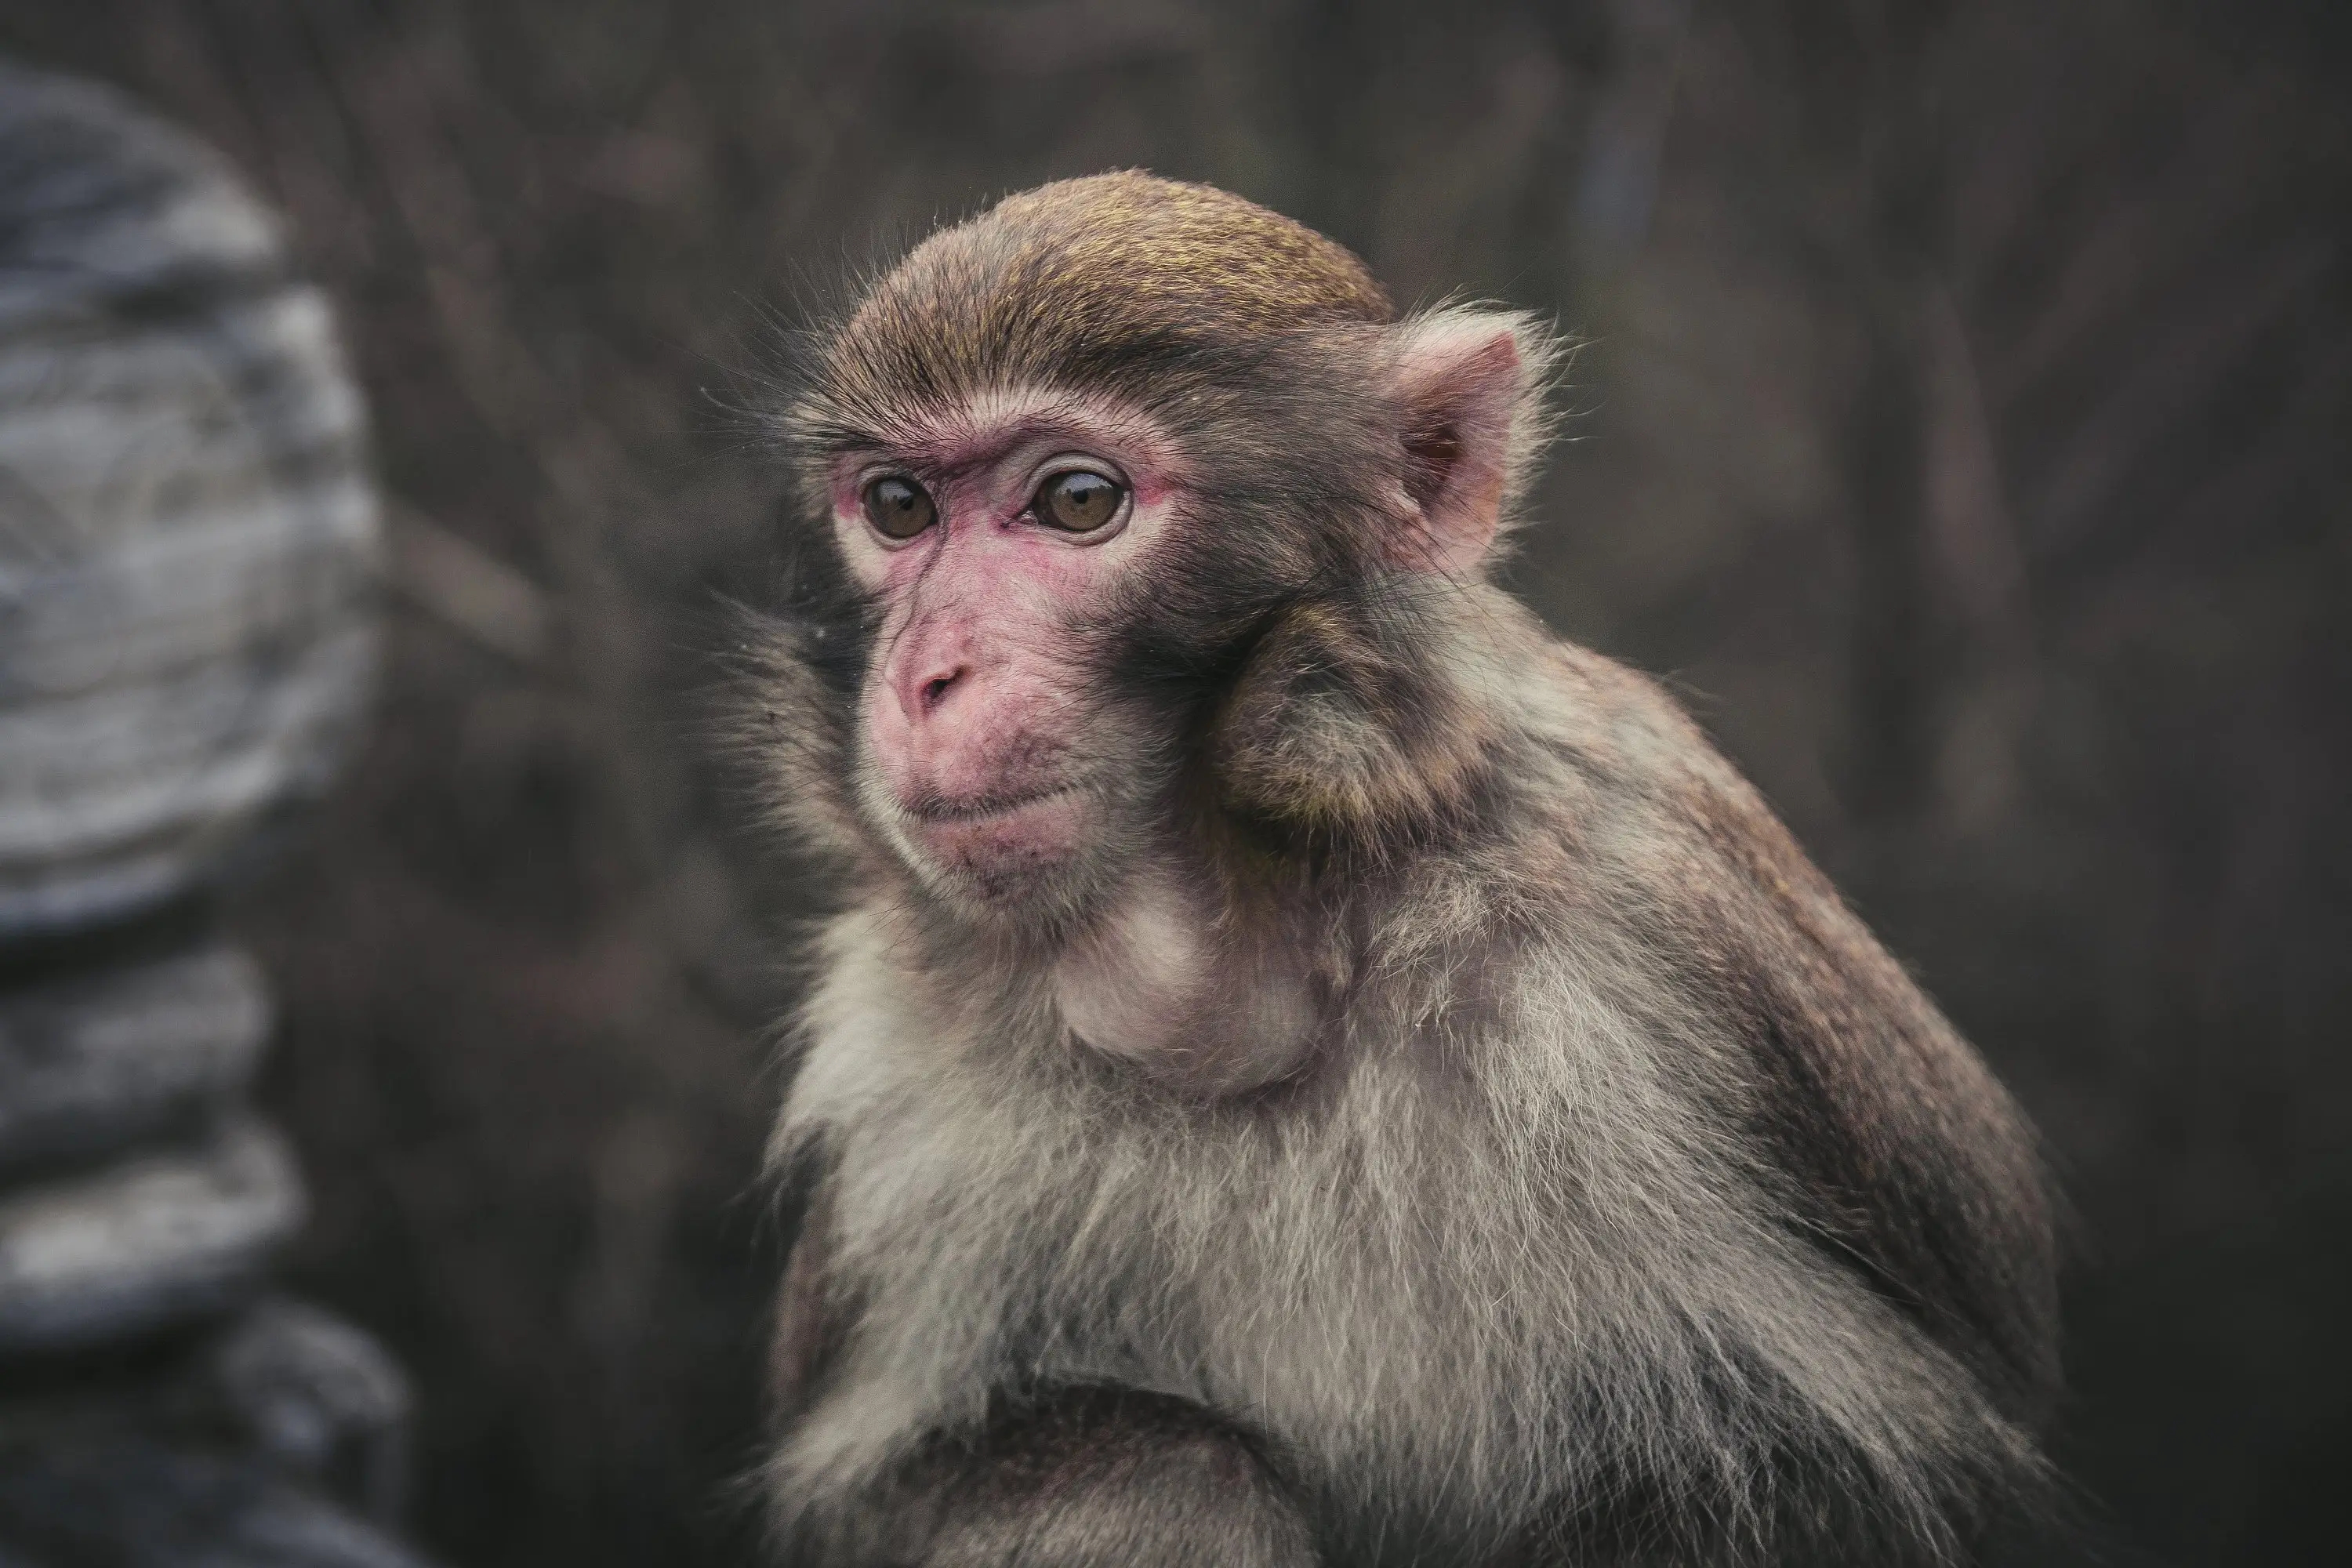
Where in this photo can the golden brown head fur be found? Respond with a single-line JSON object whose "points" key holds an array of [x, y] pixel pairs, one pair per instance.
{"points": [[1049, 285], [1057, 273]]}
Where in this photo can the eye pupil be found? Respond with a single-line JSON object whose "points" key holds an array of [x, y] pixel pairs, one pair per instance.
{"points": [[1079, 501], [898, 509]]}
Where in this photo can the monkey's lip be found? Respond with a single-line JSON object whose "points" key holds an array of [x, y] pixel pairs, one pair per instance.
{"points": [[998, 845], [939, 811]]}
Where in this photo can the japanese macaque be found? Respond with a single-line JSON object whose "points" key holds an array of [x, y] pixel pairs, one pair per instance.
{"points": [[1306, 1067]]}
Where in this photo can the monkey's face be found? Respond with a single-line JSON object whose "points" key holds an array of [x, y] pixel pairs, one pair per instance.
{"points": [[1144, 492], [992, 759]]}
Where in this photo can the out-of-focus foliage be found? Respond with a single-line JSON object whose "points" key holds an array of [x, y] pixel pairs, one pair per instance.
{"points": [[1964, 429]]}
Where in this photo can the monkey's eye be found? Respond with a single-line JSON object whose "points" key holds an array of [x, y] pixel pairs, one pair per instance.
{"points": [[1079, 501], [897, 508]]}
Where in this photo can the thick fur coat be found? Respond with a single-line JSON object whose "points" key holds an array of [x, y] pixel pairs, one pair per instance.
{"points": [[1625, 1202]]}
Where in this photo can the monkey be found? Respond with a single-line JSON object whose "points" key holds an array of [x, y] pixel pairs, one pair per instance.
{"points": [[1302, 1064]]}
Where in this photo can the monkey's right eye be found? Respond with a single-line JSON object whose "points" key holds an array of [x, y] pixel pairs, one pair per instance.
{"points": [[898, 509]]}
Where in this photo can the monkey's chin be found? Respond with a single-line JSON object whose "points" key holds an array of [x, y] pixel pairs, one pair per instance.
{"points": [[1001, 860]]}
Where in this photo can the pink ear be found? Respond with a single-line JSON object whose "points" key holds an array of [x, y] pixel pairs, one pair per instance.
{"points": [[1461, 381]]}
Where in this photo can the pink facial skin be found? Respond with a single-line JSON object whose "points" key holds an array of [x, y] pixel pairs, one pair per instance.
{"points": [[974, 708]]}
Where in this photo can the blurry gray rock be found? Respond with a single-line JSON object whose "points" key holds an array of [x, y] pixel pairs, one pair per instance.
{"points": [[187, 531], [145, 1244], [126, 1501], [94, 1063], [188, 548], [320, 1398]]}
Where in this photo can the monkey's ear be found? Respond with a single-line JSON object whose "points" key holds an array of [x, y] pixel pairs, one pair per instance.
{"points": [[1467, 386]]}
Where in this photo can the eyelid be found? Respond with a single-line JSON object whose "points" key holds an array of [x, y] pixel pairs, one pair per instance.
{"points": [[865, 475], [1075, 461]]}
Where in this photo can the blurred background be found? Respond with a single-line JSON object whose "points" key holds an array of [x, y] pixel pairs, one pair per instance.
{"points": [[1966, 430]]}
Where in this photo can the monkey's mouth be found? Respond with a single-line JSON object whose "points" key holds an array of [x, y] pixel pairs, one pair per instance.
{"points": [[937, 810], [999, 846]]}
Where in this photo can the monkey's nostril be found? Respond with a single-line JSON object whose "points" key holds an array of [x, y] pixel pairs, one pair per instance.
{"points": [[935, 690]]}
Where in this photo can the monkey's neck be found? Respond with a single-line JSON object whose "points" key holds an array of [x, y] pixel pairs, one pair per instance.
{"points": [[1188, 991]]}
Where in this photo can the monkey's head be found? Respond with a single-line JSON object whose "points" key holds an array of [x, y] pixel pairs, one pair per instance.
{"points": [[1146, 514]]}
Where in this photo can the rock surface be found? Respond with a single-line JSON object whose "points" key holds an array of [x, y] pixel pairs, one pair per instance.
{"points": [[122, 1500], [187, 548], [92, 1064], [320, 1398], [142, 1246], [187, 536]]}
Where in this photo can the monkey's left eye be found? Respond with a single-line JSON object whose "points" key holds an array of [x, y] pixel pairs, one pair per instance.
{"points": [[897, 508], [1079, 501]]}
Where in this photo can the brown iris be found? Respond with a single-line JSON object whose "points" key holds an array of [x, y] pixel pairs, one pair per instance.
{"points": [[1079, 501], [897, 508]]}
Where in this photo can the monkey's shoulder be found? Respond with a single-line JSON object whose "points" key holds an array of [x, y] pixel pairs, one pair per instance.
{"points": [[1912, 1164]]}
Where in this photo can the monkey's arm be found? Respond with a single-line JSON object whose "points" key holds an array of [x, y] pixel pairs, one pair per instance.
{"points": [[1082, 1476], [1110, 1475], [1903, 1158]]}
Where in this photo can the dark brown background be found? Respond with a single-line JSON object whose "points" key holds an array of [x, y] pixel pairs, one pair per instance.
{"points": [[1967, 430]]}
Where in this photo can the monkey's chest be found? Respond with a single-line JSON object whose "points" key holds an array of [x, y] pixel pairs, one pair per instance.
{"points": [[1326, 1292], [1369, 1286]]}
